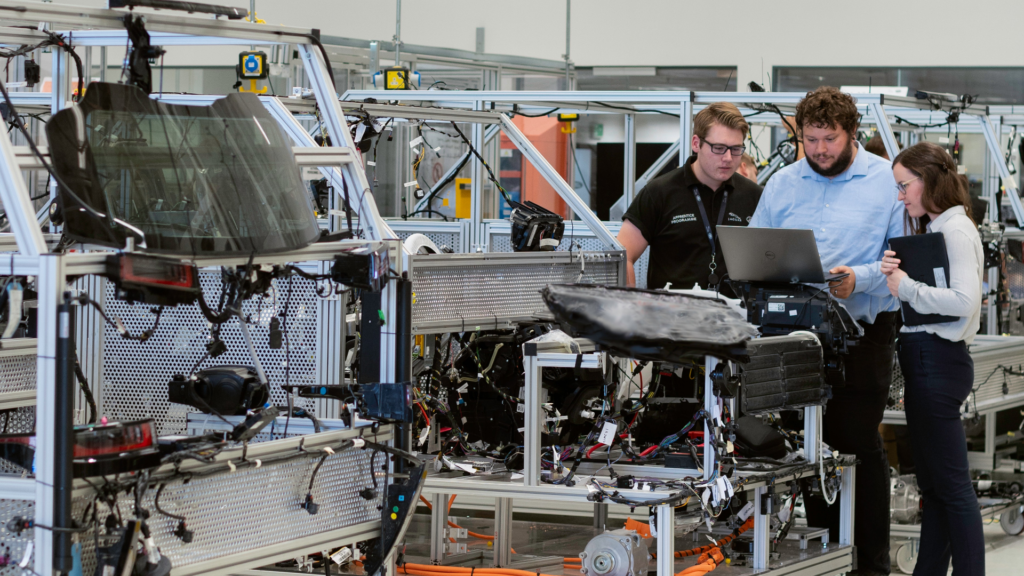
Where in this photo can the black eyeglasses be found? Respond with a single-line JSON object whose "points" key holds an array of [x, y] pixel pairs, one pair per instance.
{"points": [[719, 149]]}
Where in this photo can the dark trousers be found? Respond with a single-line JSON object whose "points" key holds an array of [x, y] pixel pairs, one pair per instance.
{"points": [[850, 425], [938, 376]]}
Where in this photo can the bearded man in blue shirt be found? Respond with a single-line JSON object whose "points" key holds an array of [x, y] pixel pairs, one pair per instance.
{"points": [[847, 196]]}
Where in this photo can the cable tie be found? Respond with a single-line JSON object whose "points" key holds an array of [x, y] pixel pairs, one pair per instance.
{"points": [[328, 449], [232, 466], [258, 462]]}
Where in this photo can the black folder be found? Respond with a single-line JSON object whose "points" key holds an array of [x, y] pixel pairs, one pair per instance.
{"points": [[923, 257]]}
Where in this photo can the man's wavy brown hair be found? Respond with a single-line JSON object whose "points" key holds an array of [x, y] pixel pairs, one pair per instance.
{"points": [[827, 107]]}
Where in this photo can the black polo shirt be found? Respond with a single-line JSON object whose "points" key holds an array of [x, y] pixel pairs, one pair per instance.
{"points": [[666, 213]]}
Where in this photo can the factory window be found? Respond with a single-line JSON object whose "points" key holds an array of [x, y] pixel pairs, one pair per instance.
{"points": [[706, 79], [992, 85]]}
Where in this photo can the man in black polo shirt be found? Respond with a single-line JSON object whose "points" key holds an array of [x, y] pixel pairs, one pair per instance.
{"points": [[676, 214]]}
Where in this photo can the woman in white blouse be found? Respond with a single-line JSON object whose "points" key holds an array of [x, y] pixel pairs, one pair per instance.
{"points": [[938, 372]]}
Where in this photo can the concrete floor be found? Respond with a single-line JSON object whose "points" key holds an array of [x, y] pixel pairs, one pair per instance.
{"points": [[1004, 557], [565, 540]]}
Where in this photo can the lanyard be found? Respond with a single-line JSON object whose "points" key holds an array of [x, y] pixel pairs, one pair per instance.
{"points": [[712, 278]]}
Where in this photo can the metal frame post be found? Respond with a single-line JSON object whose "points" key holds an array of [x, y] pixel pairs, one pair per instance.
{"points": [[50, 283], [658, 165], [666, 544], [884, 129], [360, 194], [762, 526], [502, 532], [811, 433], [15, 197], [629, 159], [990, 190], [476, 171], [846, 504], [438, 527], [564, 190], [685, 129], [600, 516], [710, 407], [532, 421], [1004, 173]]}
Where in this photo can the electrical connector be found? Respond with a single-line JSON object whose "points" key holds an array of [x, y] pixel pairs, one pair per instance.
{"points": [[18, 524], [183, 533], [309, 506]]}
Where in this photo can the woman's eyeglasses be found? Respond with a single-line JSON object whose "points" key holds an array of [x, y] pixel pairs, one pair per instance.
{"points": [[902, 186]]}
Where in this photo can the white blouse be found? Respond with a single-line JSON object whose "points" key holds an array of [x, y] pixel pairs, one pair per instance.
{"points": [[966, 273]]}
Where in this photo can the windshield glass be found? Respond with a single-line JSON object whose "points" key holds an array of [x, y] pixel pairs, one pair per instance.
{"points": [[181, 180]]}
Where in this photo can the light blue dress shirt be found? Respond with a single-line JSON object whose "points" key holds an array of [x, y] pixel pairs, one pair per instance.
{"points": [[853, 215]]}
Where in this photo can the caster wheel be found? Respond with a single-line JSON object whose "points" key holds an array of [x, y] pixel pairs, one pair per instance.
{"points": [[905, 559], [1012, 521]]}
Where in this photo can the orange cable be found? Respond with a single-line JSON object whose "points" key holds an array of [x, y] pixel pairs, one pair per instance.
{"points": [[451, 524]]}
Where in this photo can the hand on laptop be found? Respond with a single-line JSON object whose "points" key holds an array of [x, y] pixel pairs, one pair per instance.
{"points": [[843, 288]]}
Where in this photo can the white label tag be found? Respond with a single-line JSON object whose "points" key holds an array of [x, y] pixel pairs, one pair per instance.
{"points": [[725, 488], [463, 389], [784, 514], [591, 488], [371, 163], [940, 277], [416, 142], [652, 521], [776, 307], [608, 433], [28, 555], [411, 184], [746, 511], [521, 408], [792, 312], [423, 435], [360, 130], [65, 326]]}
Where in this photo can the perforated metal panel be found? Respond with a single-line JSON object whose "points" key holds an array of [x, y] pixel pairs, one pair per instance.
{"points": [[896, 392], [478, 291], [18, 373], [12, 546], [135, 375], [448, 234], [442, 239], [500, 240], [990, 355], [18, 420], [1015, 277], [235, 512]]}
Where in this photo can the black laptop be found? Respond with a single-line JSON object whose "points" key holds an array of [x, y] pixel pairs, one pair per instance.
{"points": [[776, 255]]}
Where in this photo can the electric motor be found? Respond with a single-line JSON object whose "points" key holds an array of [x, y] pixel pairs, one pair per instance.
{"points": [[906, 500], [615, 553]]}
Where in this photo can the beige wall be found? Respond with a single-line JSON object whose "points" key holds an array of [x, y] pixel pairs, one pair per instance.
{"points": [[752, 35]]}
